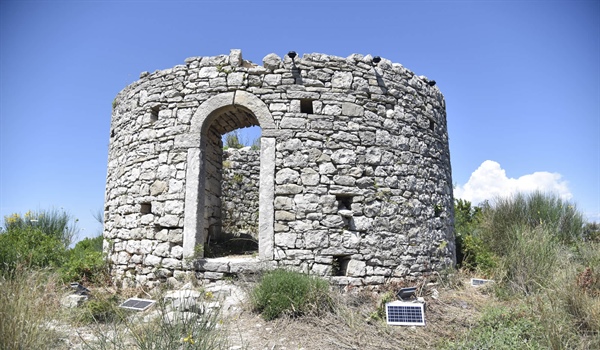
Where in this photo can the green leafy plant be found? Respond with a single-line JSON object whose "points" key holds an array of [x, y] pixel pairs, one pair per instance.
{"points": [[85, 262], [55, 223], [282, 292], [232, 140], [238, 178], [101, 308], [30, 247]]}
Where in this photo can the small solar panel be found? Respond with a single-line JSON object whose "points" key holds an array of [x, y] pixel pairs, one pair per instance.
{"points": [[402, 313], [478, 281], [137, 304]]}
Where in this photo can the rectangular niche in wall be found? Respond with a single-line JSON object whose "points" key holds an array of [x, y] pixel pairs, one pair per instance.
{"points": [[154, 113], [340, 265], [344, 202], [145, 208], [306, 106]]}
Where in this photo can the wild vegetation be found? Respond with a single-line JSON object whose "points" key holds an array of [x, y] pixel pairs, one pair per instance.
{"points": [[542, 255], [546, 263]]}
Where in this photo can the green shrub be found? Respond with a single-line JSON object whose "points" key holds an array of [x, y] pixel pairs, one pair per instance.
{"points": [[55, 223], [85, 262], [102, 308], [470, 252], [30, 247], [291, 293], [232, 140], [531, 261], [561, 219], [477, 255]]}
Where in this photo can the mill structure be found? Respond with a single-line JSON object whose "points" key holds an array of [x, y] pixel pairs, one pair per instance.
{"points": [[350, 178]]}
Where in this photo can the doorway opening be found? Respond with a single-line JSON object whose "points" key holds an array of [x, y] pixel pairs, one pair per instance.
{"points": [[232, 180]]}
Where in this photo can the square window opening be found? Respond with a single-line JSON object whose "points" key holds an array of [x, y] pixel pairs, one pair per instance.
{"points": [[340, 265], [145, 208], [306, 106], [344, 202]]}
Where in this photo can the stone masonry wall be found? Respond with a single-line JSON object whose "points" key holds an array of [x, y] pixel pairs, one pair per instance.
{"points": [[241, 173], [362, 187]]}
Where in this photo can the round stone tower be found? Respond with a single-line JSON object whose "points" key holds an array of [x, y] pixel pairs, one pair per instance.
{"points": [[351, 181]]}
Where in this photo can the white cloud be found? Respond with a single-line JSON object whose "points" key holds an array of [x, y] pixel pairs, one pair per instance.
{"points": [[490, 181]]}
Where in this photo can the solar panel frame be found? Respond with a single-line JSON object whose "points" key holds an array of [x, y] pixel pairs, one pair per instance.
{"points": [[402, 313], [475, 282], [137, 304]]}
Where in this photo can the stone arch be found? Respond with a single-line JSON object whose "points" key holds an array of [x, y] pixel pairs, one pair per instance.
{"points": [[242, 109]]}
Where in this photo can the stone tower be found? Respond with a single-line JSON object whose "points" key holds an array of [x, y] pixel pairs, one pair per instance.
{"points": [[352, 179]]}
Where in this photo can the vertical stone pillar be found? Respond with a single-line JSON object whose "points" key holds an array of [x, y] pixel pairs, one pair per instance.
{"points": [[266, 198]]}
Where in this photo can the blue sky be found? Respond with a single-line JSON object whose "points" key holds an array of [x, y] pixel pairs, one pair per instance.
{"points": [[521, 81]]}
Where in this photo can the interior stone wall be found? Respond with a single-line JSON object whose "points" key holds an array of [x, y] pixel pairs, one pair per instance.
{"points": [[241, 179], [360, 186]]}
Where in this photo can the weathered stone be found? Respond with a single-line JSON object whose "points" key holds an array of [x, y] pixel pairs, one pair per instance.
{"points": [[235, 58], [286, 176], [73, 300], [352, 159], [341, 80], [355, 268], [272, 61]]}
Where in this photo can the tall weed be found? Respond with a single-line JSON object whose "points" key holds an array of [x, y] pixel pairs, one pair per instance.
{"points": [[531, 260], [28, 301], [164, 329], [561, 219]]}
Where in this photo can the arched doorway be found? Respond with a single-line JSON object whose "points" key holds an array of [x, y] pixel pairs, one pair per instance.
{"points": [[215, 117]]}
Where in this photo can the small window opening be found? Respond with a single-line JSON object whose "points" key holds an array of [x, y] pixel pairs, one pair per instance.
{"points": [[154, 113], [344, 202], [306, 106], [112, 133], [431, 125], [145, 208], [340, 265]]}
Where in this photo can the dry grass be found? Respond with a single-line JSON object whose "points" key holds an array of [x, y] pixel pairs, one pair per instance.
{"points": [[354, 323], [28, 301]]}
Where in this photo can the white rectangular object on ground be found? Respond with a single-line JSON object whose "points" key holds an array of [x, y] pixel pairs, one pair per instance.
{"points": [[137, 304], [479, 281], [403, 313]]}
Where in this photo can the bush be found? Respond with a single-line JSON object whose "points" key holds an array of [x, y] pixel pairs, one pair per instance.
{"points": [[102, 307], [85, 262], [232, 140], [55, 223], [291, 293], [561, 219], [531, 261], [30, 247]]}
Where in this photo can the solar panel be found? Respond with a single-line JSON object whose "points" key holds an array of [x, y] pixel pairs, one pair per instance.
{"points": [[478, 281], [137, 304], [402, 313]]}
